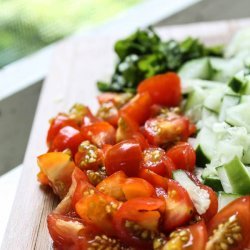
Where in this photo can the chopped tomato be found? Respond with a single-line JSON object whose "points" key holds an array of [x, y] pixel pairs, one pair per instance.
{"points": [[138, 219], [58, 168], [60, 121], [98, 209], [138, 108], [192, 237], [88, 156], [109, 113], [112, 185], [164, 130], [99, 133], [67, 138], [230, 227], [125, 156], [156, 160], [183, 156], [117, 99], [137, 187], [164, 89], [126, 128], [179, 207], [153, 178], [139, 137]]}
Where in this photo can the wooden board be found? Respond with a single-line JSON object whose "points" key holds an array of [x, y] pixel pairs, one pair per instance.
{"points": [[76, 67]]}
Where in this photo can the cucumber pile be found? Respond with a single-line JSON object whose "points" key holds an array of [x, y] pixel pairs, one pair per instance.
{"points": [[217, 100]]}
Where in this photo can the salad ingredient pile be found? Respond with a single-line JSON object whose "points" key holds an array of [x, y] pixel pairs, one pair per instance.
{"points": [[165, 168]]}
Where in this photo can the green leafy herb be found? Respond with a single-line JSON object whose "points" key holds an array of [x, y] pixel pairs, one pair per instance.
{"points": [[143, 54]]}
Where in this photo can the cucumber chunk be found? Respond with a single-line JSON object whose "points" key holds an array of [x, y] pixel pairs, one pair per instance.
{"points": [[239, 115], [224, 199], [227, 102], [234, 177], [197, 68], [213, 182], [200, 197], [205, 149]]}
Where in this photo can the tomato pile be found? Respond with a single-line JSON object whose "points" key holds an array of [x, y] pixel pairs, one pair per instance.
{"points": [[113, 174]]}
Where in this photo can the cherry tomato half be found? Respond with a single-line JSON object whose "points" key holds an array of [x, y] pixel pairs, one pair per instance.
{"points": [[164, 89], [125, 156], [183, 156]]}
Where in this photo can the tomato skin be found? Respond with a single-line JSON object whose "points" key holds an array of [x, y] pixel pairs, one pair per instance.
{"points": [[138, 108], [156, 160], [56, 168], [99, 133], [93, 210], [183, 156], [137, 187], [162, 130], [125, 156], [148, 219], [164, 89], [179, 207], [60, 121], [67, 138], [153, 178]]}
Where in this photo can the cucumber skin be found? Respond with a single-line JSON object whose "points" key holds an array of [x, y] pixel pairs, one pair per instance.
{"points": [[214, 183], [201, 159], [236, 85]]}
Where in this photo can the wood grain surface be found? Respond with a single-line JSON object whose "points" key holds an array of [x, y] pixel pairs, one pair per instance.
{"points": [[76, 67]]}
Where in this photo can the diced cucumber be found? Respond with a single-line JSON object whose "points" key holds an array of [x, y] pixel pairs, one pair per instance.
{"points": [[224, 199], [213, 100], [200, 197], [234, 177], [197, 68], [224, 69], [239, 115], [213, 182], [246, 156], [205, 150], [245, 99], [195, 98], [239, 82], [227, 102]]}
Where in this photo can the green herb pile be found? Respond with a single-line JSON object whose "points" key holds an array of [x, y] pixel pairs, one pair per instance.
{"points": [[143, 54]]}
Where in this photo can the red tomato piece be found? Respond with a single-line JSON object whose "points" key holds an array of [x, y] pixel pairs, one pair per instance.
{"points": [[112, 185], [153, 178], [192, 237], [57, 167], [109, 113], [98, 209], [136, 219], [88, 156], [60, 121], [164, 89], [179, 207], [163, 130], [67, 138], [138, 108], [183, 156], [125, 156], [156, 160], [99, 133], [230, 226], [137, 187], [67, 232]]}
